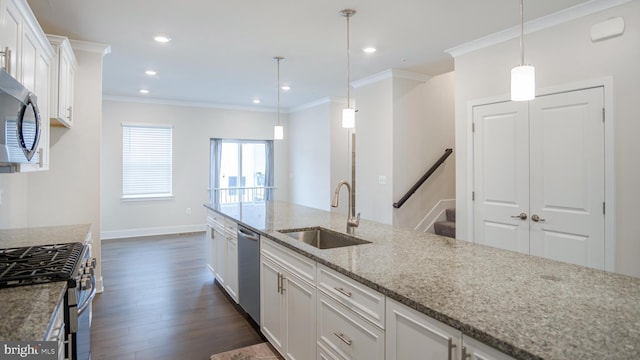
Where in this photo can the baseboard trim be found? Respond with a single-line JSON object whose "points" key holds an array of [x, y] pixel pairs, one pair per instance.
{"points": [[436, 214], [166, 230]]}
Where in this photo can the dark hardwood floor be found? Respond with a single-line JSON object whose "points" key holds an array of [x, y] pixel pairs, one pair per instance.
{"points": [[161, 302]]}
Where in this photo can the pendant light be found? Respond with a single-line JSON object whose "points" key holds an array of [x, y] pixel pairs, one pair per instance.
{"points": [[348, 114], [278, 130], [523, 77]]}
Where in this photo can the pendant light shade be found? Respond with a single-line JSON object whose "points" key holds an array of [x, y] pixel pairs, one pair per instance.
{"points": [[523, 83], [348, 114], [278, 130], [348, 118], [523, 77]]}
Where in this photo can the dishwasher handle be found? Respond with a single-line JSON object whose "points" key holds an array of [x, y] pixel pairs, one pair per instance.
{"points": [[249, 235]]}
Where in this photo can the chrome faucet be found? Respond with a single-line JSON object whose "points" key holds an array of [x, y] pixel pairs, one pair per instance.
{"points": [[352, 220]]}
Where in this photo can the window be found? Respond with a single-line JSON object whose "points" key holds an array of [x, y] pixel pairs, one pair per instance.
{"points": [[241, 170], [146, 161]]}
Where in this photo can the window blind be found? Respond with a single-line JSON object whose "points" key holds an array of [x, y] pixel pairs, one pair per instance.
{"points": [[146, 161]]}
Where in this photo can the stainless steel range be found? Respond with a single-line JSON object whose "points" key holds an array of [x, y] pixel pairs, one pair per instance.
{"points": [[70, 262]]}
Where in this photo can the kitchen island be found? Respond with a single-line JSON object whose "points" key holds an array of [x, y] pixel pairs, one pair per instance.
{"points": [[527, 307], [27, 312]]}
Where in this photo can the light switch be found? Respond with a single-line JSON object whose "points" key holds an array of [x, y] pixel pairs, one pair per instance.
{"points": [[382, 180]]}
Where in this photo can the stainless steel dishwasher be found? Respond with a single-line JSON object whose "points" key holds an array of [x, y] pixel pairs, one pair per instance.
{"points": [[249, 272]]}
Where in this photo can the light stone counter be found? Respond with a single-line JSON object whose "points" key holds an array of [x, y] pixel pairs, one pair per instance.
{"points": [[26, 311], [528, 307]]}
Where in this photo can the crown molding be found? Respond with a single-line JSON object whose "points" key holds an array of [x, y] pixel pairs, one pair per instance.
{"points": [[322, 101], [88, 46], [186, 104], [389, 74], [562, 16]]}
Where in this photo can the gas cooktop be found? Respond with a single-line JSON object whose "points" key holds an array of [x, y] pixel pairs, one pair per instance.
{"points": [[38, 264]]}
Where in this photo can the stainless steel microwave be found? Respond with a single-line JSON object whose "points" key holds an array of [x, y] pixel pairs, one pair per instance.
{"points": [[19, 122]]}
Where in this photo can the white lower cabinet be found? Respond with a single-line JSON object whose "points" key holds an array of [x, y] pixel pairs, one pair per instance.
{"points": [[210, 246], [412, 334], [222, 252], [287, 303], [231, 283], [345, 333]]}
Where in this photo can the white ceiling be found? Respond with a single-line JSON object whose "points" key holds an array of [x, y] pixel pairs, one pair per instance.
{"points": [[222, 51]]}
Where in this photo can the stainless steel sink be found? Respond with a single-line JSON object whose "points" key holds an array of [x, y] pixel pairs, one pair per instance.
{"points": [[323, 238]]}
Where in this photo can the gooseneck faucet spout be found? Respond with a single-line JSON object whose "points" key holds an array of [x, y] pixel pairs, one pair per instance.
{"points": [[353, 220]]}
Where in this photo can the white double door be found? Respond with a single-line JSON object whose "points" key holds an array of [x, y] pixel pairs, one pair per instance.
{"points": [[539, 176]]}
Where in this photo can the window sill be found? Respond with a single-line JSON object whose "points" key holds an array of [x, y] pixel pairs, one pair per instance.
{"points": [[137, 198]]}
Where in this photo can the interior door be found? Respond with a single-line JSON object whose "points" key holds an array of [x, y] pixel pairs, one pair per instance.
{"points": [[567, 177], [501, 175], [539, 176]]}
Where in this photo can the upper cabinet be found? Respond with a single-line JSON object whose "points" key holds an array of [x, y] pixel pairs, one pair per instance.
{"points": [[62, 79], [27, 55]]}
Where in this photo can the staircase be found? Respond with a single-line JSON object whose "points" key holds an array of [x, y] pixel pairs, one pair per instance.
{"points": [[447, 227]]}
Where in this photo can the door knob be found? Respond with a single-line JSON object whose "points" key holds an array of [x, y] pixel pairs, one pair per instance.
{"points": [[537, 218], [522, 216]]}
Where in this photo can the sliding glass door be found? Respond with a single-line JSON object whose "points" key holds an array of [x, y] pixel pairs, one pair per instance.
{"points": [[241, 170]]}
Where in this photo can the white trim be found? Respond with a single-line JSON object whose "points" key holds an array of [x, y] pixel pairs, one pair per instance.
{"points": [[186, 103], [89, 46], [609, 157], [560, 17], [390, 74], [435, 214], [119, 234]]}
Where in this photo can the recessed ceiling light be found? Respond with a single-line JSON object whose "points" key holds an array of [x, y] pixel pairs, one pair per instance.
{"points": [[285, 87], [150, 72], [256, 101], [162, 39], [369, 50], [144, 91]]}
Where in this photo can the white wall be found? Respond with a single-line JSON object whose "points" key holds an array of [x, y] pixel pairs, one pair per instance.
{"points": [[193, 127], [564, 54], [404, 123], [13, 209], [423, 129], [310, 156]]}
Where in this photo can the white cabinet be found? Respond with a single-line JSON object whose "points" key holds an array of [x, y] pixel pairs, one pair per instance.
{"points": [[26, 55], [56, 330], [287, 301], [222, 252], [411, 334], [475, 350], [62, 81], [11, 21], [346, 334]]}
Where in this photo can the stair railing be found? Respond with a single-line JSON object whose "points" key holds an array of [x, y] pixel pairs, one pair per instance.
{"points": [[424, 178]]}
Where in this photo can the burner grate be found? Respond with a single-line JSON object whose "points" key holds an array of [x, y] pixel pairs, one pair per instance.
{"points": [[38, 264]]}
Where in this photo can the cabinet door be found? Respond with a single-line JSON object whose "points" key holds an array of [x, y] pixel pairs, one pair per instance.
{"points": [[271, 303], [300, 318], [210, 248], [221, 253], [231, 272], [10, 35], [412, 335], [476, 350]]}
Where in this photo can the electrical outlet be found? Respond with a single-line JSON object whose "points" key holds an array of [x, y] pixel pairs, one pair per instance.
{"points": [[382, 180], [188, 211]]}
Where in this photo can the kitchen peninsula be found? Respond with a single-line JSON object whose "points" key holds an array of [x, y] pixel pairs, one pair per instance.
{"points": [[526, 307]]}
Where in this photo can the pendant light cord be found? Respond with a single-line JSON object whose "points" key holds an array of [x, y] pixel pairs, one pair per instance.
{"points": [[521, 32], [279, 90], [348, 66]]}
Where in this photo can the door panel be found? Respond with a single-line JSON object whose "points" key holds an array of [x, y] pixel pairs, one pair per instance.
{"points": [[567, 177], [501, 175], [545, 159]]}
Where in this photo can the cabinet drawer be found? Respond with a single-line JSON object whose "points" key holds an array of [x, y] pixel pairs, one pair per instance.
{"points": [[345, 333], [297, 264], [217, 220], [359, 298]]}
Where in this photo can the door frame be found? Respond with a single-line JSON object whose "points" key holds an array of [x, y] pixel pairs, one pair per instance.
{"points": [[609, 151]]}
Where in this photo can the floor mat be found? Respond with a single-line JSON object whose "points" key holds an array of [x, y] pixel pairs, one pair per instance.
{"points": [[253, 352]]}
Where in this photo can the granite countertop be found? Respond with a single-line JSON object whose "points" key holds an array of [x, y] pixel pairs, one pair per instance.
{"points": [[526, 306], [27, 311]]}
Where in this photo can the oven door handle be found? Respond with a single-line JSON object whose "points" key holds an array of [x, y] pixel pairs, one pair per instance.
{"points": [[86, 303]]}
